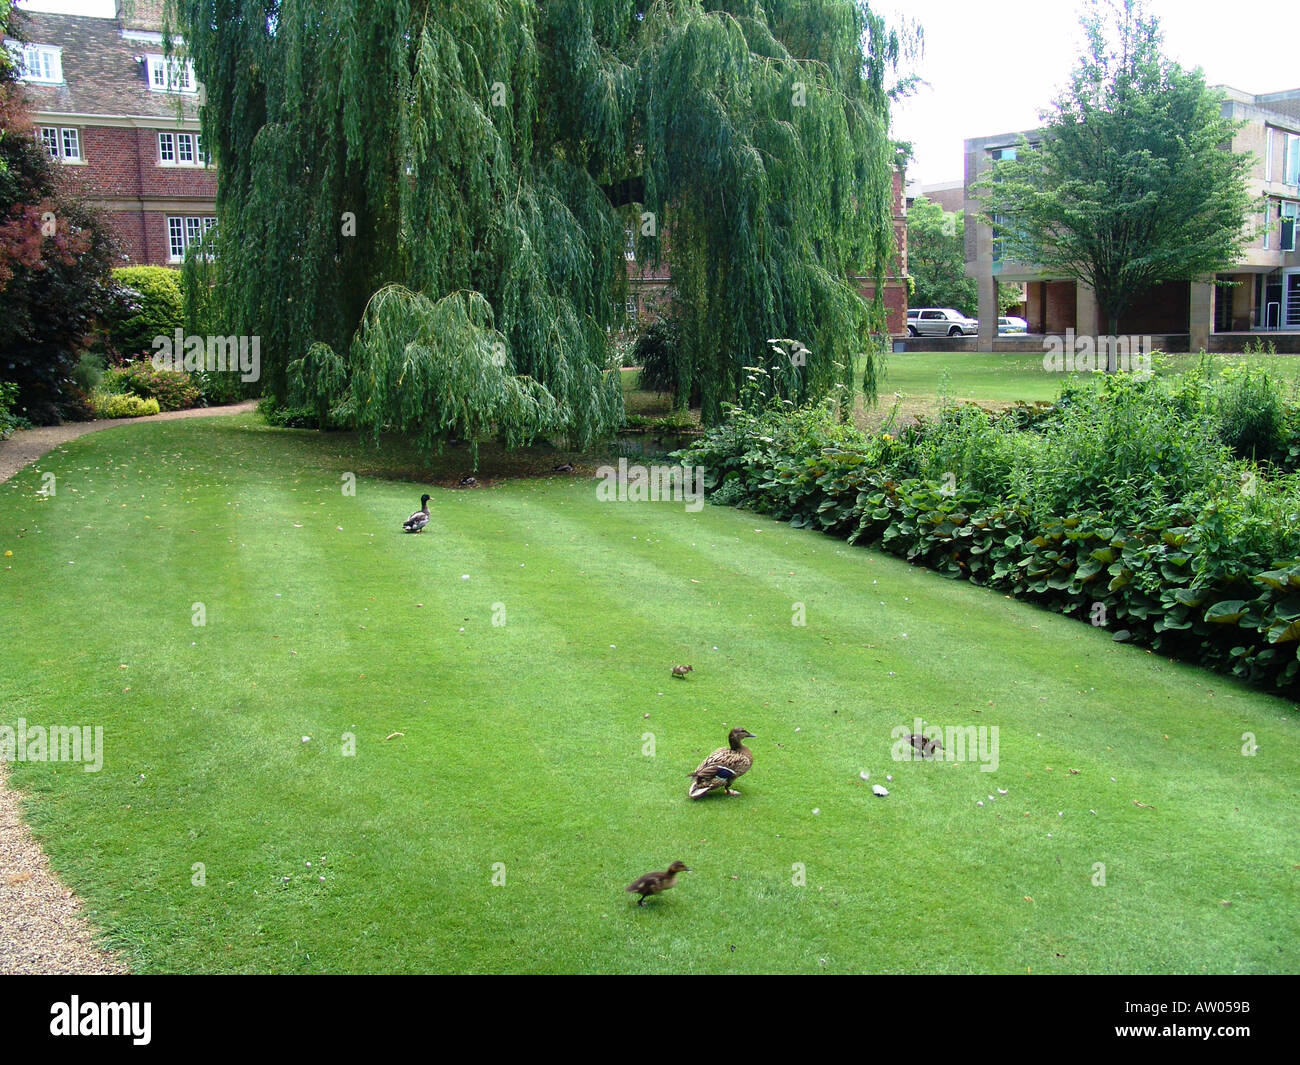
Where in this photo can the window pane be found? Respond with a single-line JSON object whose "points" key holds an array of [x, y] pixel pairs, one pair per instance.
{"points": [[50, 138], [176, 238], [166, 151], [184, 148], [71, 144], [1292, 159]]}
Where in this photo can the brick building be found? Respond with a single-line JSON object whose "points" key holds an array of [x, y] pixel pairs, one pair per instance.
{"points": [[123, 118]]}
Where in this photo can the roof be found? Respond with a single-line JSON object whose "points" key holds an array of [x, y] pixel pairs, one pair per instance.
{"points": [[100, 72]]}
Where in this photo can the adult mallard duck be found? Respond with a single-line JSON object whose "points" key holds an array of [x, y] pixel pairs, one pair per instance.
{"points": [[723, 766], [420, 518], [653, 883]]}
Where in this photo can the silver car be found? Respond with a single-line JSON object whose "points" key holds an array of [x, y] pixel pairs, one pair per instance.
{"points": [[940, 322]]}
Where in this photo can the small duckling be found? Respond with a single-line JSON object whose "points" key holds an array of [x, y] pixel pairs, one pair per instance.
{"points": [[680, 671], [566, 468], [927, 747], [654, 883], [468, 481]]}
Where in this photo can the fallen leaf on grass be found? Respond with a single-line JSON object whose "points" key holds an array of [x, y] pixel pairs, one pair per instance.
{"points": [[1143, 805]]}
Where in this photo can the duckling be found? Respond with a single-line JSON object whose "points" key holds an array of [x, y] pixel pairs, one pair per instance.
{"points": [[468, 481], [927, 747], [654, 883], [723, 766], [420, 518], [681, 671], [566, 468]]}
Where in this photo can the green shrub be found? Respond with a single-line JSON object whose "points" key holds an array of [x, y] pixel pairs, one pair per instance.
{"points": [[173, 389], [89, 373], [76, 405], [126, 405], [1250, 414], [161, 309], [219, 388], [657, 352], [286, 417], [9, 421]]}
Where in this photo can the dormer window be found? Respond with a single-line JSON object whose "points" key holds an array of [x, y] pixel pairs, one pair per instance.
{"points": [[171, 75], [41, 64]]}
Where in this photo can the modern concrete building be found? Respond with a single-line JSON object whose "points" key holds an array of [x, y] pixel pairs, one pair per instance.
{"points": [[1258, 297], [123, 119]]}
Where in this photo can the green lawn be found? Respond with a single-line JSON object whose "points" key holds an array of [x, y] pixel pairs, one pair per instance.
{"points": [[918, 381], [520, 750], [1000, 378]]}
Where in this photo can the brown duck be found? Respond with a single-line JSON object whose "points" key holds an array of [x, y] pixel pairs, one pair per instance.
{"points": [[654, 883], [681, 671], [927, 747], [723, 766]]}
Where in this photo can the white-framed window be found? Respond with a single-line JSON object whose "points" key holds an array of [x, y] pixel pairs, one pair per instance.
{"points": [[1291, 166], [629, 249], [181, 149], [40, 63], [63, 144], [182, 232], [171, 75], [630, 307], [1286, 225]]}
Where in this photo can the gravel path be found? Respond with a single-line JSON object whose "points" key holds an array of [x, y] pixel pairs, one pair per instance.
{"points": [[42, 926]]}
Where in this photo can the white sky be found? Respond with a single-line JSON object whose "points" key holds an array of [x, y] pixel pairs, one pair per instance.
{"points": [[992, 66]]}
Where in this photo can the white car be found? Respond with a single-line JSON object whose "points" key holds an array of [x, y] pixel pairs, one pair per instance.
{"points": [[1012, 325], [940, 322]]}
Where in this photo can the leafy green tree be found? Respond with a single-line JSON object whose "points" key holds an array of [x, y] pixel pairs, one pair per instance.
{"points": [[1131, 184], [936, 258], [411, 182]]}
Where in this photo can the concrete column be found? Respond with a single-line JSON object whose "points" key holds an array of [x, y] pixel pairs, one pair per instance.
{"points": [[1200, 316], [1087, 315], [988, 308]]}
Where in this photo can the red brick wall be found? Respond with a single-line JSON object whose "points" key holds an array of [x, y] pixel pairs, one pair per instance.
{"points": [[121, 166], [1164, 309]]}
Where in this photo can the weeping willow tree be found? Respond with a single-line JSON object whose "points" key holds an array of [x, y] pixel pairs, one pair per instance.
{"points": [[422, 204]]}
